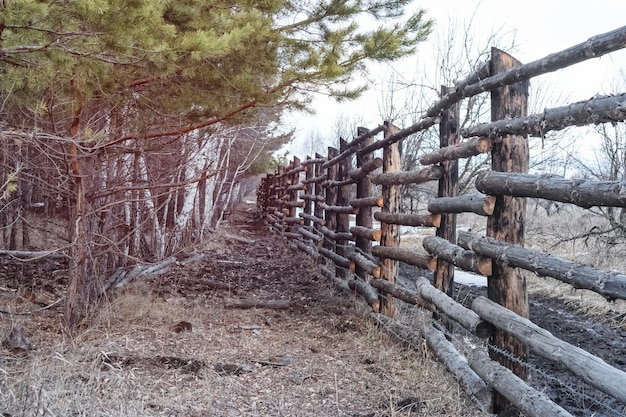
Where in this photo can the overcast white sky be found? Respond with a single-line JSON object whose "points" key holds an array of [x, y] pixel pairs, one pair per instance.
{"points": [[541, 27]]}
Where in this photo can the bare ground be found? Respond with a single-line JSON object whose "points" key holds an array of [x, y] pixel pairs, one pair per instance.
{"points": [[168, 346]]}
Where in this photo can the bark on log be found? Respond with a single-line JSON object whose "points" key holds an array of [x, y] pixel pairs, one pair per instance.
{"points": [[245, 303], [447, 354], [607, 109], [336, 235], [482, 205], [310, 235], [471, 147], [609, 284], [338, 183], [338, 260], [294, 220], [366, 168], [364, 190], [590, 368], [309, 250], [446, 305], [331, 276], [426, 220], [367, 292], [367, 202], [294, 204], [315, 180], [582, 192], [353, 146], [121, 277], [533, 403], [292, 235], [402, 293], [312, 218], [408, 256], [316, 160], [365, 264], [309, 197], [431, 173], [366, 233], [464, 259], [339, 209]]}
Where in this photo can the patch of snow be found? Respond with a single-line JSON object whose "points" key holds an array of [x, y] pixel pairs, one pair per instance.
{"points": [[467, 278]]}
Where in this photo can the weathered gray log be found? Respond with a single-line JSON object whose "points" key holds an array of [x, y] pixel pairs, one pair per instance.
{"points": [[430, 173], [471, 147], [122, 277], [401, 293], [312, 197], [447, 354], [294, 220], [408, 256], [427, 220], [590, 368], [296, 170], [254, 303], [446, 305], [582, 192], [367, 202], [365, 264], [312, 218], [609, 284], [369, 166], [337, 281], [463, 258], [316, 160], [367, 292], [482, 205], [340, 209], [533, 403], [354, 145], [594, 111], [291, 235], [338, 260], [336, 235], [310, 235], [469, 381], [366, 233], [309, 250], [338, 183], [296, 187], [31, 255], [314, 180]]}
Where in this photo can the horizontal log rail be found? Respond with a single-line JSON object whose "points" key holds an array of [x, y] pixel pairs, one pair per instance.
{"points": [[367, 202], [310, 235], [471, 147], [340, 209], [581, 192], [312, 218], [415, 220], [371, 234], [482, 205], [365, 264], [314, 180], [431, 173], [408, 256], [367, 167], [354, 145], [312, 197], [590, 368], [337, 259], [608, 109], [609, 284], [336, 235], [458, 256]]}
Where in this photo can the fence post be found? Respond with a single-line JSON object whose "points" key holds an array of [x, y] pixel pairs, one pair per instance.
{"points": [[363, 190], [448, 187], [343, 199], [308, 189], [294, 180], [507, 286], [390, 236], [331, 198], [318, 211]]}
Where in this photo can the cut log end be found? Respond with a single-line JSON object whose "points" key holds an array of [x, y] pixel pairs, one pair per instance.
{"points": [[432, 263], [377, 235]]}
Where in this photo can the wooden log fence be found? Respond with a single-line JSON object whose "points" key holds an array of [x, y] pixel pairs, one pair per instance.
{"points": [[327, 205]]}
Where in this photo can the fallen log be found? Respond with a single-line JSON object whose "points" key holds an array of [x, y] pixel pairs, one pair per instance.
{"points": [[482, 205], [456, 255], [608, 284], [245, 303], [590, 368], [533, 403], [32, 255]]}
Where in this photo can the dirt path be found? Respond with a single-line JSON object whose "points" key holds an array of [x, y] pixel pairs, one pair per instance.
{"points": [[169, 347]]}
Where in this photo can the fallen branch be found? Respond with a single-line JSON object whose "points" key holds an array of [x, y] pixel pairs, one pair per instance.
{"points": [[244, 303]]}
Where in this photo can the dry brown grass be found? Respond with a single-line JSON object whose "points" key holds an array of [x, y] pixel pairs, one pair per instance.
{"points": [[129, 362]]}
